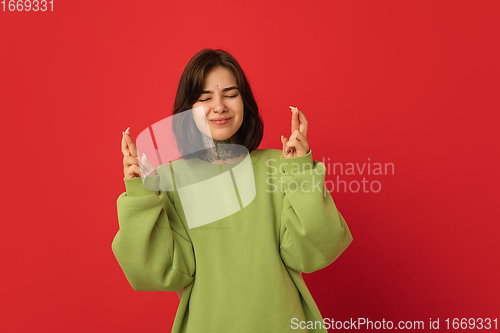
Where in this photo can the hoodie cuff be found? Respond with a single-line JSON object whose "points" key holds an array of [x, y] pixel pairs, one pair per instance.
{"points": [[135, 186], [295, 165]]}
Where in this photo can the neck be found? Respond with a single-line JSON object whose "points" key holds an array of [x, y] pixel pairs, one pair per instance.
{"points": [[213, 154]]}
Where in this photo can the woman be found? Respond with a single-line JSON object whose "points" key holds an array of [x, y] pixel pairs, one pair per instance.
{"points": [[241, 272]]}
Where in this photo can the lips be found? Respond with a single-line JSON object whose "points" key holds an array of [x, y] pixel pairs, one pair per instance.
{"points": [[220, 121]]}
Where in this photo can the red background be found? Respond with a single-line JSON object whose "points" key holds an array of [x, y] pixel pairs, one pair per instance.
{"points": [[413, 83]]}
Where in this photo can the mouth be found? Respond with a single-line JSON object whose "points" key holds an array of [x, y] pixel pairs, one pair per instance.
{"points": [[220, 121]]}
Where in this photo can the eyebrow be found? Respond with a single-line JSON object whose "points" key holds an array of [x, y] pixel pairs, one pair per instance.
{"points": [[223, 90]]}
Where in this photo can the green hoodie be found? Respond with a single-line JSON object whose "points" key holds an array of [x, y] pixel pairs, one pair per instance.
{"points": [[241, 273]]}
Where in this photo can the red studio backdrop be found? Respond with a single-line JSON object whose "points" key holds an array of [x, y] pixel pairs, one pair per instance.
{"points": [[409, 85]]}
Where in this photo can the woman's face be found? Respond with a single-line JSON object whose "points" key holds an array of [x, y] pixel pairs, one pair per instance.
{"points": [[222, 102]]}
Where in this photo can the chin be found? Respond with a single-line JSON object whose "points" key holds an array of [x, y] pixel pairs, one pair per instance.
{"points": [[221, 136]]}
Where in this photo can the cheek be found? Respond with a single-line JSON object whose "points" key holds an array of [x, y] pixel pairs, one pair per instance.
{"points": [[198, 104], [239, 107], [200, 119], [240, 118]]}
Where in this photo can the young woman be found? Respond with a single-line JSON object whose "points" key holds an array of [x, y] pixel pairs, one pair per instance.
{"points": [[242, 271]]}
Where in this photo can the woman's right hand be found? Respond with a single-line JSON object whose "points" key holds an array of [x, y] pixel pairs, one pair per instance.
{"points": [[131, 166]]}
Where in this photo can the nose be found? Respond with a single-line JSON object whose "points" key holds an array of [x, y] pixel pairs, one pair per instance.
{"points": [[218, 106]]}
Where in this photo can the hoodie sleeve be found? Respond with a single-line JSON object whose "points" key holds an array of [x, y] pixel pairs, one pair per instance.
{"points": [[313, 233], [152, 246]]}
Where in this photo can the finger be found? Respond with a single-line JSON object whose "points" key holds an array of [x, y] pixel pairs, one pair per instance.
{"points": [[295, 120], [287, 152], [125, 151], [299, 148], [144, 161], [299, 136], [302, 120], [303, 123], [147, 166], [130, 160], [293, 143], [131, 145], [284, 141], [299, 143], [132, 172], [290, 148]]}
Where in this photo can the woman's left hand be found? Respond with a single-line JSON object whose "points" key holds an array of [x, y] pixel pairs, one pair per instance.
{"points": [[297, 144]]}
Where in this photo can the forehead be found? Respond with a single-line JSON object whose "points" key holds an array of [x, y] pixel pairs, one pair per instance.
{"points": [[221, 76]]}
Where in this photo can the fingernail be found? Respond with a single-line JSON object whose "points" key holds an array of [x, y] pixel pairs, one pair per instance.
{"points": [[127, 129], [144, 155], [123, 133], [282, 137]]}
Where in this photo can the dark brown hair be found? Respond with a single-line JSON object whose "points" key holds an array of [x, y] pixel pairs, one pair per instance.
{"points": [[190, 88]]}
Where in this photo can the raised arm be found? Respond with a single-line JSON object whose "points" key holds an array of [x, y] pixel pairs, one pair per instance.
{"points": [[151, 245], [313, 232]]}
